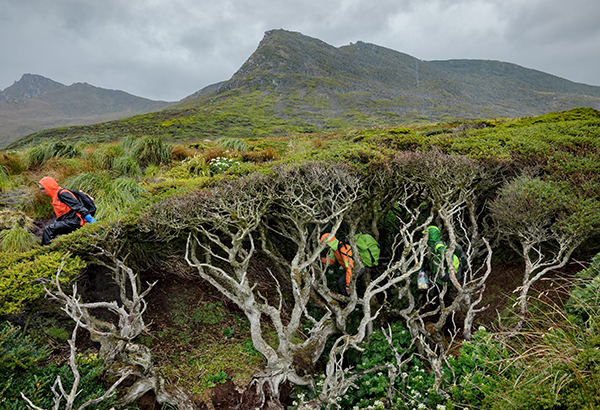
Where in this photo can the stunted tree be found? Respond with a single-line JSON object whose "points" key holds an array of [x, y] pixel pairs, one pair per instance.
{"points": [[544, 222], [60, 392], [448, 188], [283, 216], [225, 225], [118, 350]]}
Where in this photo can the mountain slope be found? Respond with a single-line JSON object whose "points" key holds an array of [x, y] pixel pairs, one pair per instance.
{"points": [[316, 81], [35, 103], [296, 84]]}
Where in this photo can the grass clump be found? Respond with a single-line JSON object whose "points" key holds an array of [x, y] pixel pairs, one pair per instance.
{"points": [[113, 197], [17, 240], [232, 144], [38, 155], [105, 156], [5, 182], [127, 166], [150, 151]]}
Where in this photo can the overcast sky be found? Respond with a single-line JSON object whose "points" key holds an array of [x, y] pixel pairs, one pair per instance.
{"points": [[168, 49]]}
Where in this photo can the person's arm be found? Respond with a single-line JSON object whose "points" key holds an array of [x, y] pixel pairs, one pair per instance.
{"points": [[348, 275], [329, 259]]}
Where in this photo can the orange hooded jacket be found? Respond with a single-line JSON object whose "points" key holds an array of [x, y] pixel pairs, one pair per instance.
{"points": [[63, 201], [343, 256]]}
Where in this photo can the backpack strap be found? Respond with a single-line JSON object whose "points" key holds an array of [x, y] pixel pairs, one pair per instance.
{"points": [[69, 191]]}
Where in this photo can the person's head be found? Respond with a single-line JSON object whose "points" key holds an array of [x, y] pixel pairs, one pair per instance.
{"points": [[332, 242], [49, 186], [434, 235]]}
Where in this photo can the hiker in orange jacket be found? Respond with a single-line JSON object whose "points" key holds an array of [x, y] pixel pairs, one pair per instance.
{"points": [[70, 213], [342, 254]]}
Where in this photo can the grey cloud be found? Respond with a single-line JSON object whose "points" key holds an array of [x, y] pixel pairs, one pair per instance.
{"points": [[170, 49]]}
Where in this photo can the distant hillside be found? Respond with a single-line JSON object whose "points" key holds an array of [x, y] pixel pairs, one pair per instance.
{"points": [[296, 84], [317, 82], [35, 103]]}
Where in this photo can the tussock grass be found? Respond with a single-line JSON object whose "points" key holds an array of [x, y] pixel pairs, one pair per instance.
{"points": [[113, 197], [234, 144], [12, 219], [105, 156], [126, 166], [17, 240], [5, 182], [150, 151], [38, 155], [179, 152], [12, 162]]}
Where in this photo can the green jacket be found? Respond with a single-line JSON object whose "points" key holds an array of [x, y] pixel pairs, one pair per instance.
{"points": [[438, 260], [368, 249]]}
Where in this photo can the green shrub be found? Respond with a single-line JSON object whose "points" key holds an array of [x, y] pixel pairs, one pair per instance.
{"points": [[414, 387], [189, 168], [479, 368], [25, 275], [21, 371], [18, 351]]}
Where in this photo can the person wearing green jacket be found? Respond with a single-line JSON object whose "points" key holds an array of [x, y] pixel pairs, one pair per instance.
{"points": [[438, 263]]}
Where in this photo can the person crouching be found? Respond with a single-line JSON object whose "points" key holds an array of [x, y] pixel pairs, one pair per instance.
{"points": [[70, 213]]}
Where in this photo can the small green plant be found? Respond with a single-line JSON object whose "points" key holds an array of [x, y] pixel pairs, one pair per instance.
{"points": [[58, 333], [249, 348], [212, 380], [208, 313], [228, 332]]}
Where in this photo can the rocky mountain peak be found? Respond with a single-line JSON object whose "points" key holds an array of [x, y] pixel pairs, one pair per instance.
{"points": [[29, 86]]}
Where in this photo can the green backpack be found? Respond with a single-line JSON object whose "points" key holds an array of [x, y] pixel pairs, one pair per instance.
{"points": [[368, 249]]}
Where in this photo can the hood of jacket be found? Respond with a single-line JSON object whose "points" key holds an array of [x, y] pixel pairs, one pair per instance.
{"points": [[434, 235], [51, 186], [333, 242]]}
